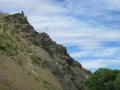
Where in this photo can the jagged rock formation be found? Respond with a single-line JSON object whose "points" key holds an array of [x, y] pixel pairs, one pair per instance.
{"points": [[69, 72], [48, 54]]}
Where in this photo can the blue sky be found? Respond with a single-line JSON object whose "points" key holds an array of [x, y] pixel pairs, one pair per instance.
{"points": [[90, 29]]}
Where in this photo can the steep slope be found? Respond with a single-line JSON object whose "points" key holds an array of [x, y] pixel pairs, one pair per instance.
{"points": [[32, 61]]}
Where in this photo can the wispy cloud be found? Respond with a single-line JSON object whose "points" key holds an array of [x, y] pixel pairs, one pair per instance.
{"points": [[98, 58], [100, 63], [33, 7], [102, 52], [93, 26]]}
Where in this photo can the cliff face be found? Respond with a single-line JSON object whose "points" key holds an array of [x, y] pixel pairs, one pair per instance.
{"points": [[44, 53]]}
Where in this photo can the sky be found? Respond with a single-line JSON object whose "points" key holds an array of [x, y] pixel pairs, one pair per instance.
{"points": [[89, 29]]}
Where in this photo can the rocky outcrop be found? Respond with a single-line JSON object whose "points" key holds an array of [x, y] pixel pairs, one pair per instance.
{"points": [[69, 72], [20, 22], [17, 18]]}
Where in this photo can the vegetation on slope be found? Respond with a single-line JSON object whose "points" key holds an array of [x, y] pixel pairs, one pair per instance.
{"points": [[18, 69]]}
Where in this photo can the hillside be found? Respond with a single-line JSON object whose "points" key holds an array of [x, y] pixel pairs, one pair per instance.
{"points": [[32, 61]]}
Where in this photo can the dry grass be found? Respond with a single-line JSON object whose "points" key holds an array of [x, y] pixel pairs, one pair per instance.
{"points": [[17, 72]]}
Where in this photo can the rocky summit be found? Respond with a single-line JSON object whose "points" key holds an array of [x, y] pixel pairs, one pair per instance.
{"points": [[32, 61]]}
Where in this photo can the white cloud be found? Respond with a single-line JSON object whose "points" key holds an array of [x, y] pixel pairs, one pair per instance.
{"points": [[68, 30], [34, 7], [99, 53], [93, 64], [88, 24], [99, 63], [58, 20], [113, 4]]}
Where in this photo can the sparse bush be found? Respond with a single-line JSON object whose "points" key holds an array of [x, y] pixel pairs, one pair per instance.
{"points": [[29, 50], [2, 37], [12, 32], [72, 78], [42, 63], [17, 26], [36, 59], [9, 47], [0, 26], [29, 73], [6, 46], [25, 54], [4, 30], [2, 47], [18, 39], [29, 43], [37, 79]]}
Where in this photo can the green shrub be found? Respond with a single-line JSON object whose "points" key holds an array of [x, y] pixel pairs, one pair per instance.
{"points": [[0, 26], [102, 79], [42, 63], [29, 43], [18, 39], [29, 50], [4, 30], [2, 37], [12, 32], [4, 46], [10, 47], [117, 82], [36, 59], [37, 79], [29, 73]]}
